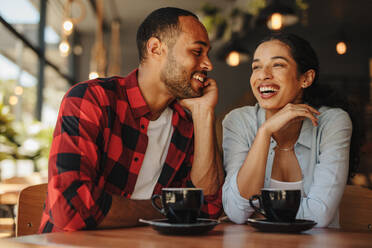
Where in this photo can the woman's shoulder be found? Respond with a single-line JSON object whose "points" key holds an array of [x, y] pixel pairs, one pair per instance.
{"points": [[244, 111], [333, 115]]}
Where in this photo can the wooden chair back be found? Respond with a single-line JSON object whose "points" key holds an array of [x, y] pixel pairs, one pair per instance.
{"points": [[30, 208], [356, 208]]}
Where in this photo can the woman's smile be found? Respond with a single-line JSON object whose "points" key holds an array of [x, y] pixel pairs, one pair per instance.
{"points": [[268, 91]]}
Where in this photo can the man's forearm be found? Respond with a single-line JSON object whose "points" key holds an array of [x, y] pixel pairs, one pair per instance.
{"points": [[207, 172], [126, 212]]}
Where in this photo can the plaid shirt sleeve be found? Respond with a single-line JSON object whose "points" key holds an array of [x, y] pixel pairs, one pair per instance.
{"points": [[212, 207], [75, 198]]}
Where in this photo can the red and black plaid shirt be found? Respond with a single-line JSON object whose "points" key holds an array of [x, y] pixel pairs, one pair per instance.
{"points": [[98, 148]]}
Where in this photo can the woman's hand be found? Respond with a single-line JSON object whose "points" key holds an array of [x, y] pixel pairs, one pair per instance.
{"points": [[289, 114]]}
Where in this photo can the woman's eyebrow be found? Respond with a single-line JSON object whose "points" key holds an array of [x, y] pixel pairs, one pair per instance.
{"points": [[274, 57], [280, 57]]}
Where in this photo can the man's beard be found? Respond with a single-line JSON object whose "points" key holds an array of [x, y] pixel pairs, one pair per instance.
{"points": [[177, 80]]}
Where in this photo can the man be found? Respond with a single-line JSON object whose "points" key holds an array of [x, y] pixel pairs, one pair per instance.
{"points": [[119, 140]]}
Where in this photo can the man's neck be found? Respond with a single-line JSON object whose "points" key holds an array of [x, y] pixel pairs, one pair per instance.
{"points": [[153, 90]]}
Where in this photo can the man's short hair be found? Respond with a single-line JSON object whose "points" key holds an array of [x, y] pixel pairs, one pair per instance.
{"points": [[163, 24]]}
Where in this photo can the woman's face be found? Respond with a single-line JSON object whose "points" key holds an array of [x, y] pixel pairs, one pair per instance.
{"points": [[274, 80]]}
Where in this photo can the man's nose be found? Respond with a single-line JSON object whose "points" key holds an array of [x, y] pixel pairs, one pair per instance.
{"points": [[206, 64]]}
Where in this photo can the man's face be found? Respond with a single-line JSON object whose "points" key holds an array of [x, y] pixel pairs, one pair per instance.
{"points": [[187, 62]]}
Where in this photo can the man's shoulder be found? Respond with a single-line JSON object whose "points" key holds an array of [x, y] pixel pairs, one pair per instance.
{"points": [[110, 84]]}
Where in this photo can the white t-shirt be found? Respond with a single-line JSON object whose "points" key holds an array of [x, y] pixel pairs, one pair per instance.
{"points": [[159, 134], [276, 184]]}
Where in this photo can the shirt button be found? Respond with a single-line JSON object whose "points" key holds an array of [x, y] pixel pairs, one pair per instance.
{"points": [[135, 159], [142, 126]]}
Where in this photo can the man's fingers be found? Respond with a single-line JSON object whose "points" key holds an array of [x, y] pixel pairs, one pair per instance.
{"points": [[209, 81]]}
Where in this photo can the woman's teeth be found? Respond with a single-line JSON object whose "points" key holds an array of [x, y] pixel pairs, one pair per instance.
{"points": [[267, 89]]}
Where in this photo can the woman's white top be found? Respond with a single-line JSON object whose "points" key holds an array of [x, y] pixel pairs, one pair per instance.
{"points": [[276, 184], [322, 153]]}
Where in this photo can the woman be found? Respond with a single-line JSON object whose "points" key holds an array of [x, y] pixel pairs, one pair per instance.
{"points": [[291, 138]]}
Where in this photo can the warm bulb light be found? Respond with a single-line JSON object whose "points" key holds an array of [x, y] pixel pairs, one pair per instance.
{"points": [[13, 100], [275, 21], [78, 50], [93, 75], [233, 59], [341, 48], [64, 48], [68, 26], [18, 90]]}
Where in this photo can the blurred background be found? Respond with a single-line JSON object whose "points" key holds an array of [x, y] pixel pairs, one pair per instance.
{"points": [[46, 46]]}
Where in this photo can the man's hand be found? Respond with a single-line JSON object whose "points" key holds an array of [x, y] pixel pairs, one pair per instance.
{"points": [[206, 172], [208, 100], [126, 212]]}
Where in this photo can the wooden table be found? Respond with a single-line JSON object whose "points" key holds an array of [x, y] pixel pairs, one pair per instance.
{"points": [[224, 235]]}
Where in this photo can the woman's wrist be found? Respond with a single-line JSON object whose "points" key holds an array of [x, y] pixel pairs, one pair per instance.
{"points": [[264, 132]]}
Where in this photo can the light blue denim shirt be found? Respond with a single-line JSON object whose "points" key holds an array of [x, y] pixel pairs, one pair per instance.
{"points": [[322, 152]]}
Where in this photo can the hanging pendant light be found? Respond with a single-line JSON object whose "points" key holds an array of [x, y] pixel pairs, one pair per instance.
{"points": [[98, 54], [275, 22], [276, 15], [115, 51], [233, 58], [64, 48], [68, 25], [341, 47]]}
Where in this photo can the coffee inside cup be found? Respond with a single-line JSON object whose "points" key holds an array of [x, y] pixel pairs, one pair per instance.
{"points": [[279, 205], [180, 205]]}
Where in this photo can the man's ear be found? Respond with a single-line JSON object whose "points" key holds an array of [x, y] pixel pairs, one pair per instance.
{"points": [[154, 48], [307, 78]]}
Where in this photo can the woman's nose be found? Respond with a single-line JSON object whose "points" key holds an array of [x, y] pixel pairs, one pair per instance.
{"points": [[265, 73]]}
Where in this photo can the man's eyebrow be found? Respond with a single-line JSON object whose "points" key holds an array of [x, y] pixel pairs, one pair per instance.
{"points": [[201, 43]]}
